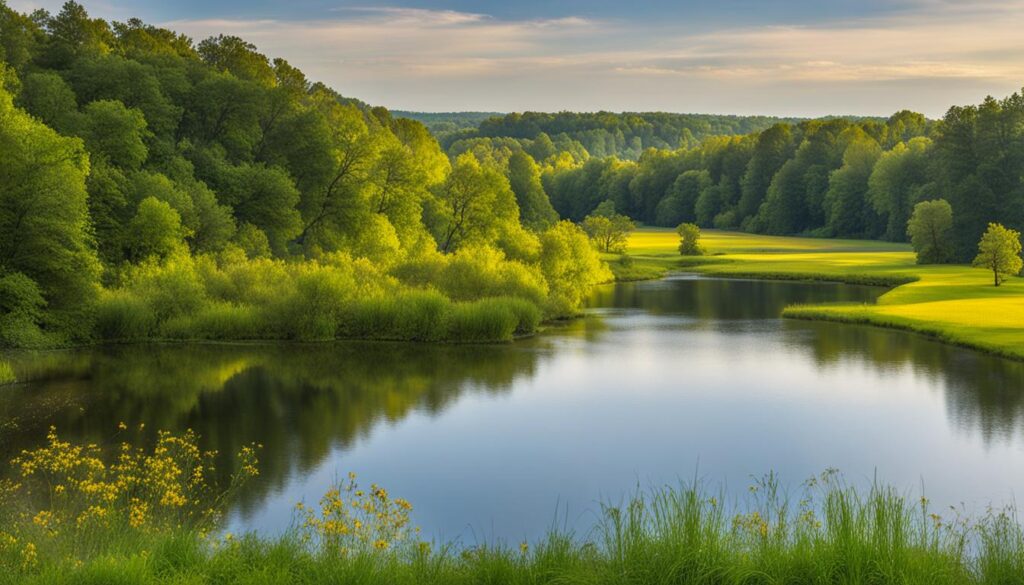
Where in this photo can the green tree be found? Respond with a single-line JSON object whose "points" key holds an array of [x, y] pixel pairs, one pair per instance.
{"points": [[44, 217], [117, 133], [471, 204], [849, 214], [47, 96], [609, 233], [534, 206], [897, 181], [689, 240], [999, 251], [571, 267], [929, 230], [155, 230], [773, 148]]}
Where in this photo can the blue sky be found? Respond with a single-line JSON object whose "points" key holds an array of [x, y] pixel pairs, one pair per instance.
{"points": [[801, 57]]}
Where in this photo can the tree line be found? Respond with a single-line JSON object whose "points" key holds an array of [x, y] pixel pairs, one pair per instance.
{"points": [[151, 186], [829, 178], [600, 134]]}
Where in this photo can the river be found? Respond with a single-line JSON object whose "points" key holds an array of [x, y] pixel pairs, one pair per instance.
{"points": [[661, 382]]}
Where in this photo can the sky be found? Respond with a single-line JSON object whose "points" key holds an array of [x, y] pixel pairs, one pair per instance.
{"points": [[786, 58]]}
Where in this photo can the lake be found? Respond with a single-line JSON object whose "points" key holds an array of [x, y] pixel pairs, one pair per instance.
{"points": [[662, 382]]}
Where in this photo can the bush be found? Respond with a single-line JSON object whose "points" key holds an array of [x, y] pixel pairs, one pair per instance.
{"points": [[169, 288], [21, 310], [480, 272], [219, 320], [122, 316], [689, 240], [571, 267]]}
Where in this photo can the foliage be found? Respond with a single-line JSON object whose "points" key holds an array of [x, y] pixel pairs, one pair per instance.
{"points": [[44, 218], [571, 267], [151, 187], [689, 240], [929, 228], [608, 230], [999, 251]]}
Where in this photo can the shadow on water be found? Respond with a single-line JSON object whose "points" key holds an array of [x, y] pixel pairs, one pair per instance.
{"points": [[298, 401]]}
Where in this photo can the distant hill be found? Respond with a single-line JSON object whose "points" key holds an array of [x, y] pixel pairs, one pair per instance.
{"points": [[443, 123], [625, 134]]}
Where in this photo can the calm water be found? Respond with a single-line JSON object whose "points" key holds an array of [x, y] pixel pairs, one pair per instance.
{"points": [[662, 381]]}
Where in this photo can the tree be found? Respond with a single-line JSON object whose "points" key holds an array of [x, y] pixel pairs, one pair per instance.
{"points": [[896, 182], [471, 204], [571, 267], [115, 132], [534, 205], [999, 251], [155, 230], [609, 234], [929, 230], [44, 216], [689, 240]]}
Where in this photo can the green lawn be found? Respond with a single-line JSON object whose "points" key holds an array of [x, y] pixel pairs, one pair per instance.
{"points": [[955, 303]]}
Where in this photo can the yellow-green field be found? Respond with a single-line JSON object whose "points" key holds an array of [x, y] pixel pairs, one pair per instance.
{"points": [[957, 303]]}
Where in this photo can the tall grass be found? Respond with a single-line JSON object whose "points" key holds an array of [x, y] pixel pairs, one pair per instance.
{"points": [[71, 513], [834, 534], [6, 373]]}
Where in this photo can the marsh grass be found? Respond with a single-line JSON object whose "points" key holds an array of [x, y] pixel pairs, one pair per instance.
{"points": [[828, 533], [7, 373]]}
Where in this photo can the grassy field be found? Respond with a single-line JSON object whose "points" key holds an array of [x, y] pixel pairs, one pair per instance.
{"points": [[957, 304]]}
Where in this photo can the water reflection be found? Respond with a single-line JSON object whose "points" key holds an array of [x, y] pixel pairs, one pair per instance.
{"points": [[984, 395], [660, 375], [299, 401]]}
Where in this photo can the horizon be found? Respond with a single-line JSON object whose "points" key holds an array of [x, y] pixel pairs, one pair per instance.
{"points": [[744, 58]]}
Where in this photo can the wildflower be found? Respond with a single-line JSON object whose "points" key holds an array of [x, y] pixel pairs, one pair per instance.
{"points": [[43, 518], [524, 547], [122, 426], [380, 544], [29, 557]]}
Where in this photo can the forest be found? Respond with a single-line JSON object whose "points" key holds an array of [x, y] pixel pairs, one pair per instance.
{"points": [[825, 178], [624, 135], [156, 188]]}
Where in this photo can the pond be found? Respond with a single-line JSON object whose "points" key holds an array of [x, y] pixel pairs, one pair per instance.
{"points": [[661, 382]]}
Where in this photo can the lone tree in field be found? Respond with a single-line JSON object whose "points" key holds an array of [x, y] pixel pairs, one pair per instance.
{"points": [[999, 251], [608, 230], [928, 229], [689, 240]]}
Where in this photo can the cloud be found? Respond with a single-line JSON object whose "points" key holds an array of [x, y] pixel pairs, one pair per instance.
{"points": [[413, 57]]}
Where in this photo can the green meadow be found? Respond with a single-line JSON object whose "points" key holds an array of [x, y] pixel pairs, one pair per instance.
{"points": [[955, 303]]}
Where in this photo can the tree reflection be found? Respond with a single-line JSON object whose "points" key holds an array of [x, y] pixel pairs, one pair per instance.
{"points": [[298, 401], [983, 394]]}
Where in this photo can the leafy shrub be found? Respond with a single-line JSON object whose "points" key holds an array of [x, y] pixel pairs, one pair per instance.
{"points": [[218, 320], [169, 288], [571, 267], [123, 316], [21, 310], [479, 272]]}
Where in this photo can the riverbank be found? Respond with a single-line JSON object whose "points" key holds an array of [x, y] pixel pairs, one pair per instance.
{"points": [[954, 303], [145, 520]]}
